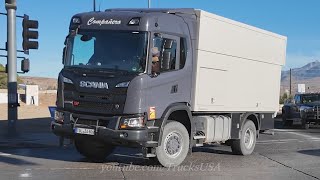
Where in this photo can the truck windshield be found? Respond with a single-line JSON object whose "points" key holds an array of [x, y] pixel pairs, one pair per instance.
{"points": [[311, 98], [112, 50]]}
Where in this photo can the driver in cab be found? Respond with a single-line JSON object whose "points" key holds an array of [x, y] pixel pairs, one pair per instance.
{"points": [[155, 60]]}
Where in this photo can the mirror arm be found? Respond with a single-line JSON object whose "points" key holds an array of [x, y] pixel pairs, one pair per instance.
{"points": [[154, 75]]}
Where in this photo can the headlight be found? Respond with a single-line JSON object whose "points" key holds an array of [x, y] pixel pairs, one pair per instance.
{"points": [[123, 84], [58, 116], [132, 122], [67, 80]]}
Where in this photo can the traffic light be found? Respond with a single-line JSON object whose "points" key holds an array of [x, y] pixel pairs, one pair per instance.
{"points": [[29, 36]]}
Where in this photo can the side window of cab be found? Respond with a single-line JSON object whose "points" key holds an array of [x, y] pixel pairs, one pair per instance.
{"points": [[165, 54]]}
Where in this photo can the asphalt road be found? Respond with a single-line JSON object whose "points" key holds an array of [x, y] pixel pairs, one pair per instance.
{"points": [[288, 154]]}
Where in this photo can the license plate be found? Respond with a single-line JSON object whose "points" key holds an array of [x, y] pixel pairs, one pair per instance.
{"points": [[84, 131]]}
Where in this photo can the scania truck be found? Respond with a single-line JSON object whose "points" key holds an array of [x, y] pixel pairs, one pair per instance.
{"points": [[165, 81]]}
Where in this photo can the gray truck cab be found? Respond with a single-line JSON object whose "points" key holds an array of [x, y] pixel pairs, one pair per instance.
{"points": [[124, 71]]}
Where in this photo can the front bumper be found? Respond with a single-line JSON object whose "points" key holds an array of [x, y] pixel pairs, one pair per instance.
{"points": [[109, 133]]}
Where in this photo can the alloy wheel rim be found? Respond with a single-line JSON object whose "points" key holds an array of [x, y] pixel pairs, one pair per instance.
{"points": [[173, 144]]}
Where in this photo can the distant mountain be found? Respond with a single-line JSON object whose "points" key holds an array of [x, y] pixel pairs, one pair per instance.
{"points": [[44, 83], [311, 70], [308, 75]]}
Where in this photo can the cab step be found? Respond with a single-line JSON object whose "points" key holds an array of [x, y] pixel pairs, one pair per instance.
{"points": [[153, 129], [199, 137], [151, 144], [150, 155]]}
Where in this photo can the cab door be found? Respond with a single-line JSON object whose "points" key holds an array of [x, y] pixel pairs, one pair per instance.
{"points": [[166, 82]]}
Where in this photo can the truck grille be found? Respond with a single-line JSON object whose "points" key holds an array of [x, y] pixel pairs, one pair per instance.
{"points": [[100, 107], [90, 122], [315, 114], [111, 102]]}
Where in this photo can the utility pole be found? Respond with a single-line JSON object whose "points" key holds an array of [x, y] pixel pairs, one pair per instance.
{"points": [[11, 8], [290, 83], [149, 3], [94, 5]]}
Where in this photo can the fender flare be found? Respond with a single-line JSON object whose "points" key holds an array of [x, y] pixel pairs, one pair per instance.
{"points": [[245, 117], [169, 110]]}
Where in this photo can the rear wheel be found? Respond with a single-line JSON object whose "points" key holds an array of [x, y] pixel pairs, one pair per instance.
{"points": [[245, 145], [94, 150], [174, 145]]}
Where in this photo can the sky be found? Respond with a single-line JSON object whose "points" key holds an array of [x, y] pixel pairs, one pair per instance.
{"points": [[296, 19]]}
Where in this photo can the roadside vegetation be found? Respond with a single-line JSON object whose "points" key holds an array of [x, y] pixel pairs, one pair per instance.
{"points": [[3, 78]]}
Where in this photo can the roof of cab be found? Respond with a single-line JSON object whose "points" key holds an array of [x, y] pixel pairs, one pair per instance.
{"points": [[151, 10]]}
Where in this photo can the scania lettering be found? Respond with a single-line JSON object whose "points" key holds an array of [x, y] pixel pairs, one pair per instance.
{"points": [[166, 80], [100, 85]]}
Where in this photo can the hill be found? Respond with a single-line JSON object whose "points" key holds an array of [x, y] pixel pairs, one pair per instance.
{"points": [[308, 75], [4, 78], [44, 83]]}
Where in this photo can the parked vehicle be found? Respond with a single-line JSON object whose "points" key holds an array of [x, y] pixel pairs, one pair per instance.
{"points": [[166, 80], [304, 109]]}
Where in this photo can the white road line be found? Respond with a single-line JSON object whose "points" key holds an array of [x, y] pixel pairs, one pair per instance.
{"points": [[64, 168], [282, 141], [297, 133], [304, 135], [272, 143], [137, 156], [5, 154], [278, 140]]}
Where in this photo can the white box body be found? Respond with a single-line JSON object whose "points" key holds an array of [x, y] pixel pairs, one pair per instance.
{"points": [[237, 67]]}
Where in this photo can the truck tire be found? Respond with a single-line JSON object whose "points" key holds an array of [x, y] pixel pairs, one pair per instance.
{"points": [[285, 122], [305, 124], [245, 145], [174, 145], [94, 150]]}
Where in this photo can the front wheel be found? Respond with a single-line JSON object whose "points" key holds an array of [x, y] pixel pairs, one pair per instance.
{"points": [[245, 145], [92, 149], [305, 124], [174, 145], [285, 121]]}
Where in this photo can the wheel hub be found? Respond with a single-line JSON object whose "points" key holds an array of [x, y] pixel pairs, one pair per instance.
{"points": [[248, 138], [173, 144]]}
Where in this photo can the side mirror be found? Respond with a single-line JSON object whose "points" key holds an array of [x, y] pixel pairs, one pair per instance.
{"points": [[25, 65], [168, 44], [64, 54]]}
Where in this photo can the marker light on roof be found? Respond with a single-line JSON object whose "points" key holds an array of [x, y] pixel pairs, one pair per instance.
{"points": [[76, 20], [134, 22]]}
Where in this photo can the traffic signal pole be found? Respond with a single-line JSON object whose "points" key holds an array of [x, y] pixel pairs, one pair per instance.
{"points": [[11, 8]]}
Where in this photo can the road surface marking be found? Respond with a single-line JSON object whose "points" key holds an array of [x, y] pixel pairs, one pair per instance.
{"points": [[304, 135], [122, 155], [281, 141], [25, 175], [298, 134], [277, 140], [5, 154]]}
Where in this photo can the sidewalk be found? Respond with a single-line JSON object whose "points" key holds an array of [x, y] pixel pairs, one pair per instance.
{"points": [[30, 133]]}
